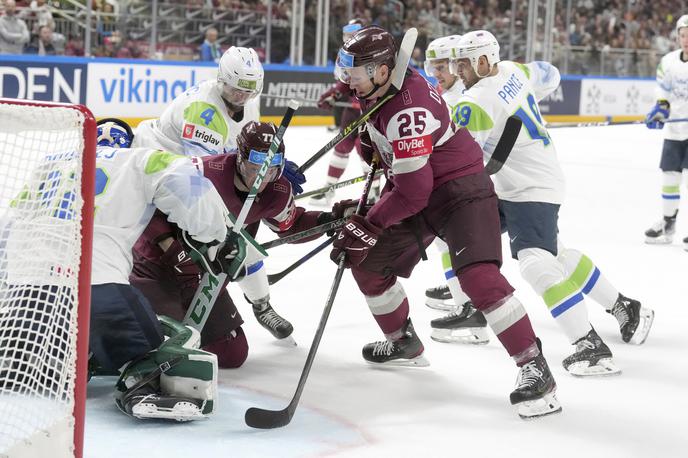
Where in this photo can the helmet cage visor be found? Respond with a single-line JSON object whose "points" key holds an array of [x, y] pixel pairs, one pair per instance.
{"points": [[347, 73], [436, 66]]}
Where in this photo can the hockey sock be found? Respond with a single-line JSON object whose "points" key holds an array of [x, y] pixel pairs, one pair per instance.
{"points": [[457, 293], [509, 321], [561, 293], [255, 284], [588, 278], [390, 307], [671, 192], [338, 163]]}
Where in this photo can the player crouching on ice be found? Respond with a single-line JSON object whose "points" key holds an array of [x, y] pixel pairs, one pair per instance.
{"points": [[164, 374], [437, 187], [169, 279]]}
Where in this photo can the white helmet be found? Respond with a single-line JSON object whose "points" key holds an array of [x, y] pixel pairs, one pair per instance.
{"points": [[440, 49], [240, 75], [682, 22], [475, 44]]}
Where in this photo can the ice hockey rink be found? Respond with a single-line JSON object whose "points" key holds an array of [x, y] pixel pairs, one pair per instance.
{"points": [[459, 405]]}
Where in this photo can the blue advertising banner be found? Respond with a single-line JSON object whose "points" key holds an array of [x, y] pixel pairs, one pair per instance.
{"points": [[46, 80], [564, 100]]}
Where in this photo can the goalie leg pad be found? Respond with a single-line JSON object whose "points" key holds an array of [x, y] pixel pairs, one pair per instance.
{"points": [[177, 381]]}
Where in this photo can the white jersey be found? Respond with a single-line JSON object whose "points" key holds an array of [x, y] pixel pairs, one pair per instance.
{"points": [[532, 172], [453, 94], [196, 123], [672, 85]]}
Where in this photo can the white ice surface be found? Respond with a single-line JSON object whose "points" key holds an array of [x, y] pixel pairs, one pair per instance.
{"points": [[459, 405]]}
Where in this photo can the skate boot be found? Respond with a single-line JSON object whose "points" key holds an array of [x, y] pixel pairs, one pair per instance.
{"points": [[439, 298], [535, 393], [467, 326], [405, 351], [280, 328], [146, 403], [634, 320], [662, 232], [592, 357], [323, 200]]}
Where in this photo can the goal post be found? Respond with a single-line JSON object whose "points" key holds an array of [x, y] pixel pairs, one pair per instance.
{"points": [[47, 180]]}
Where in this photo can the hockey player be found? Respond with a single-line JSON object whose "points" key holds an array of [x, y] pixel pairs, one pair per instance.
{"points": [[206, 120], [437, 186], [167, 277], [339, 92], [449, 296], [530, 187], [672, 96], [170, 379]]}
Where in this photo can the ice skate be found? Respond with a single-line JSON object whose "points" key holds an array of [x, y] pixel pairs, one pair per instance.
{"points": [[439, 298], [535, 393], [280, 328], [634, 320], [144, 403], [662, 232], [592, 357], [405, 351], [467, 326], [322, 200]]}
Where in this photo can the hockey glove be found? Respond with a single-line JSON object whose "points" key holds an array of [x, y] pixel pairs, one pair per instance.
{"points": [[327, 98], [215, 258], [296, 178], [342, 209], [660, 113], [355, 239]]}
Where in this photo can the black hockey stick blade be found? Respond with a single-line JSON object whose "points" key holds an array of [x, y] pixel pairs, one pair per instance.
{"points": [[268, 419], [506, 142]]}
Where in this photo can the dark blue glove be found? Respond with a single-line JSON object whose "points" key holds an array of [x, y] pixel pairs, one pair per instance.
{"points": [[655, 118], [295, 177]]}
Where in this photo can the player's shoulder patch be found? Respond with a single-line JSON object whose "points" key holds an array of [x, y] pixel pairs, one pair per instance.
{"points": [[280, 187], [406, 97]]}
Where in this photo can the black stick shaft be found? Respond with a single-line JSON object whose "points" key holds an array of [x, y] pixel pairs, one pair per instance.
{"points": [[274, 278]]}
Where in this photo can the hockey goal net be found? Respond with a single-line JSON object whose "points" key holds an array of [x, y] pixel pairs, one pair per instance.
{"points": [[47, 160]]}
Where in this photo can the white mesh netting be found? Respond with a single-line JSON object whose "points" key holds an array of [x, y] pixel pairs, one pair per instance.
{"points": [[41, 152]]}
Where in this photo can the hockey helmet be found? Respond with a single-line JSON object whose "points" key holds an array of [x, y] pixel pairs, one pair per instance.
{"points": [[682, 22], [439, 52], [472, 46], [359, 57], [115, 133], [240, 75], [253, 144]]}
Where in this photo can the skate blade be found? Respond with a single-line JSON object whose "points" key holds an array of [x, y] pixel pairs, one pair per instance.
{"points": [[474, 336], [418, 361], [182, 411], [661, 240], [647, 316], [439, 304], [286, 342], [604, 366], [546, 405]]}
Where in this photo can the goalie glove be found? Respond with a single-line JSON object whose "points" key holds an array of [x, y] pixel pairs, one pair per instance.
{"points": [[660, 113], [226, 257]]}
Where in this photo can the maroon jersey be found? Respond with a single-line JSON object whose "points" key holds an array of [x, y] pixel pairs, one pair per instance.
{"points": [[420, 147], [274, 206]]}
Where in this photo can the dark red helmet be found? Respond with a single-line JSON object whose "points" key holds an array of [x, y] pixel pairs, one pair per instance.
{"points": [[254, 141], [370, 45]]}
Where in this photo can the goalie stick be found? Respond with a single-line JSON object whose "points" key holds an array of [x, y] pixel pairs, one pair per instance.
{"points": [[397, 77], [210, 284], [334, 186]]}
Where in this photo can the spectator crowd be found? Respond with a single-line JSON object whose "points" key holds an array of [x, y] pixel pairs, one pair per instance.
{"points": [[642, 29]]}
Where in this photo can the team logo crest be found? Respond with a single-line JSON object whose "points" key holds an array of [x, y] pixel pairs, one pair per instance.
{"points": [[188, 131], [376, 37]]}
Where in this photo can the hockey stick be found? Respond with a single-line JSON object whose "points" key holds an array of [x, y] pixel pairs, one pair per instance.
{"points": [[397, 78], [609, 123], [274, 278], [506, 142], [310, 102], [307, 233], [269, 419], [334, 186], [210, 284]]}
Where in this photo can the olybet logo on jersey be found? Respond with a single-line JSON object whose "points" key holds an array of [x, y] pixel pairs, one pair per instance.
{"points": [[201, 134], [412, 147]]}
